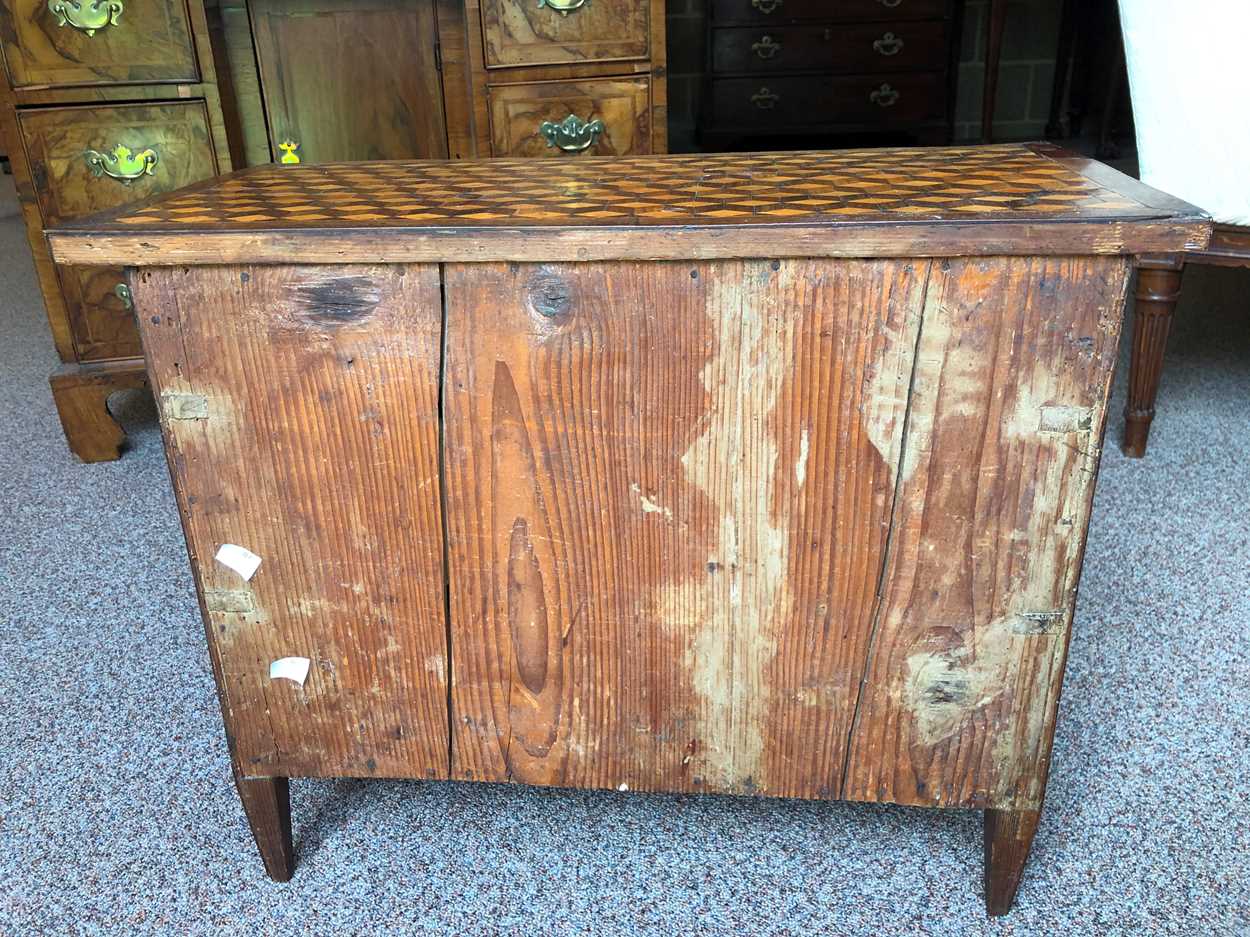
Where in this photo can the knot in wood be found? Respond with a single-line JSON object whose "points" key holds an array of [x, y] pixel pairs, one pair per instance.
{"points": [[549, 295]]}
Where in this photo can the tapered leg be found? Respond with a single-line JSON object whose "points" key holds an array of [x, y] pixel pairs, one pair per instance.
{"points": [[81, 394], [1158, 289], [1008, 836], [267, 803]]}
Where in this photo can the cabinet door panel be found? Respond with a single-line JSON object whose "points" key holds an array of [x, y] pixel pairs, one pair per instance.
{"points": [[347, 80], [518, 112], [300, 413], [147, 40], [531, 33], [666, 530]]}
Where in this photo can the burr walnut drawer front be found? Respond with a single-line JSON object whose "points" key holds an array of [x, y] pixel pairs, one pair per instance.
{"points": [[85, 159], [96, 42], [767, 12], [879, 98], [559, 31], [604, 117], [871, 47]]}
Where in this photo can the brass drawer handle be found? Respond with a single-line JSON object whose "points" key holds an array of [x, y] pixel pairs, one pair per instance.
{"points": [[890, 3], [122, 292], [765, 100], [563, 7], [572, 134], [766, 6], [885, 96], [86, 15], [122, 163], [889, 44], [766, 48]]}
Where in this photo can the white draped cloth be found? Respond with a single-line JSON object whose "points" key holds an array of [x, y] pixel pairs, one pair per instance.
{"points": [[1190, 83]]}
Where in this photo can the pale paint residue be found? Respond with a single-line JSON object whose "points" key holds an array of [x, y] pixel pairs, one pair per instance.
{"points": [[800, 464], [943, 688], [887, 380], [649, 506], [735, 612]]}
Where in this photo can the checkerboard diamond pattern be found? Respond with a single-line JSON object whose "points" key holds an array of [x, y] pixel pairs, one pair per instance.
{"points": [[972, 183]]}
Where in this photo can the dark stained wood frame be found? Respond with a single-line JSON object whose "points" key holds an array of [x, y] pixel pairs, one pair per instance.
{"points": [[1158, 290]]}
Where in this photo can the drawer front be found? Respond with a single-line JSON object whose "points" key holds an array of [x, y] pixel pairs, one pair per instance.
{"points": [[169, 147], [875, 47], [831, 11], [880, 99], [539, 32], [101, 316], [86, 159], [603, 117], [96, 42]]}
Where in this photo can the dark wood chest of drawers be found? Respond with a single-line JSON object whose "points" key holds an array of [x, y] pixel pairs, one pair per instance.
{"points": [[813, 67]]}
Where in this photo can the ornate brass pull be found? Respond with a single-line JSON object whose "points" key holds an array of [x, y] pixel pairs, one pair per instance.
{"points": [[885, 96], [86, 15], [889, 3], [765, 100], [288, 148], [122, 163], [766, 6], [572, 134], [563, 7], [122, 292], [889, 44], [766, 48]]}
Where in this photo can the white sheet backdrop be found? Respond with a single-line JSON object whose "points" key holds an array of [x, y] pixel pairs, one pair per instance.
{"points": [[1189, 75]]}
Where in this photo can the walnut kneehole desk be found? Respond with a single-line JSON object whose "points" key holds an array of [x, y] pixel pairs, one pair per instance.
{"points": [[758, 474]]}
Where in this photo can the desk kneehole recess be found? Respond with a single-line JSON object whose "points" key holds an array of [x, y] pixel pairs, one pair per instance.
{"points": [[745, 474]]}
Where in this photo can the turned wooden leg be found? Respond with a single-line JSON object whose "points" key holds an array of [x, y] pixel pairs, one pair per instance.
{"points": [[1158, 288], [81, 393], [267, 803], [1008, 836]]}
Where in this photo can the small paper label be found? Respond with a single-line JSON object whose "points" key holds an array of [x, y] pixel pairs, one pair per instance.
{"points": [[290, 668], [242, 560]]}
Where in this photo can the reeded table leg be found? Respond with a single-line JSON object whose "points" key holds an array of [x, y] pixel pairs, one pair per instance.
{"points": [[267, 803], [1158, 289], [1008, 836]]}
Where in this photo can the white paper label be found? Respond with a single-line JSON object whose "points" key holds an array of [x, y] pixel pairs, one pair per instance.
{"points": [[242, 560], [290, 668]]}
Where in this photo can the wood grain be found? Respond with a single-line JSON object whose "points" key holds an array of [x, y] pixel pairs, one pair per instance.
{"points": [[1004, 430], [351, 80], [518, 111], [81, 394], [319, 453], [151, 42], [529, 34], [104, 328], [668, 490], [56, 137]]}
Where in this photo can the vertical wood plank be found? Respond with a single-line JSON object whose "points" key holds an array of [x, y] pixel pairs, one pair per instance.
{"points": [[668, 493], [1004, 430], [300, 412]]}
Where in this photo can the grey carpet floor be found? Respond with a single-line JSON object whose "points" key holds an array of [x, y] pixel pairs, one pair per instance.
{"points": [[117, 815]]}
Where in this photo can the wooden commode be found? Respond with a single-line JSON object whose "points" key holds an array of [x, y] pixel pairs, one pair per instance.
{"points": [[762, 474]]}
